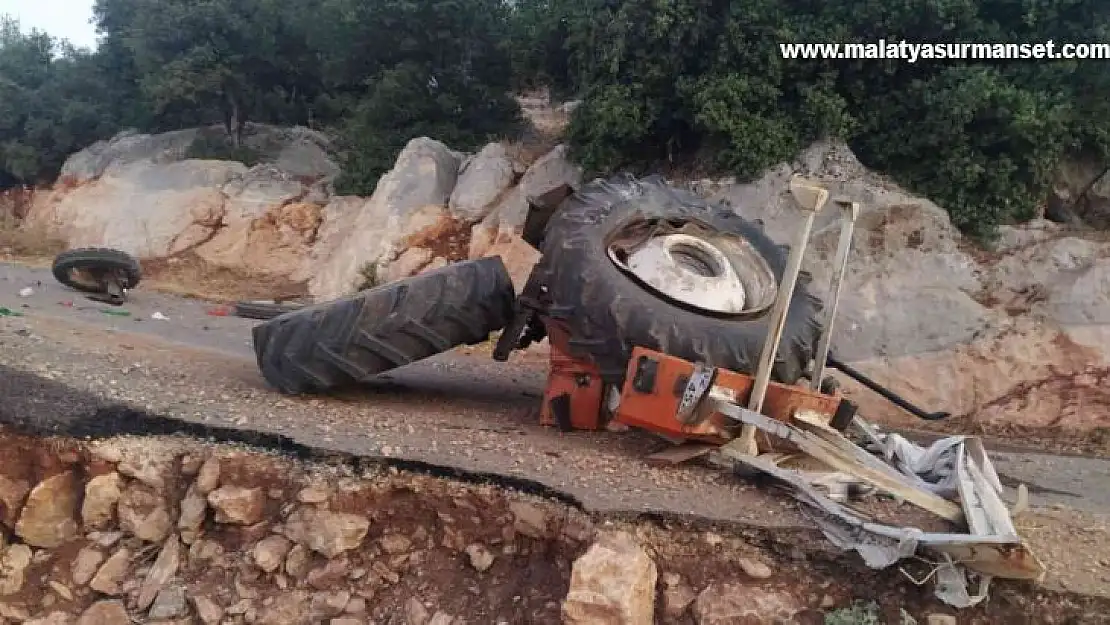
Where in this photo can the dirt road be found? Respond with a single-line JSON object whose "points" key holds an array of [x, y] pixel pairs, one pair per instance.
{"points": [[77, 370]]}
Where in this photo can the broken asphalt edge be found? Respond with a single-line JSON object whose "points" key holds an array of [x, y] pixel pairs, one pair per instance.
{"points": [[88, 416]]}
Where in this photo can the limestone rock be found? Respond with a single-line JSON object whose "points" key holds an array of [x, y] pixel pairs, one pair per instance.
{"points": [[169, 604], [755, 568], [102, 493], [312, 495], [143, 513], [298, 561], [724, 604], [480, 557], [394, 543], [325, 532], [106, 612], [208, 479], [238, 505], [530, 519], [85, 565], [416, 613], [940, 619], [13, 493], [329, 604], [194, 508], [612, 583], [409, 198], [208, 611], [148, 462], [112, 573], [185, 204], [163, 570], [482, 180], [48, 518], [291, 608], [441, 618], [270, 552], [549, 171], [13, 568]]}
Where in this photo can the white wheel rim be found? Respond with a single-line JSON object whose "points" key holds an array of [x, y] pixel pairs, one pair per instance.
{"points": [[689, 270]]}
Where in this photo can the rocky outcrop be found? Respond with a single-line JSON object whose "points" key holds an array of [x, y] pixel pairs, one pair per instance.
{"points": [[1019, 334], [281, 218]]}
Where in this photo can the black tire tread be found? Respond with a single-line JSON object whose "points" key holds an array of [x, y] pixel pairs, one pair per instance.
{"points": [[96, 257], [608, 314], [263, 310], [336, 344]]}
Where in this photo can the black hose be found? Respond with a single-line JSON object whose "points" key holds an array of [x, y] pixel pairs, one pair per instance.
{"points": [[885, 392]]}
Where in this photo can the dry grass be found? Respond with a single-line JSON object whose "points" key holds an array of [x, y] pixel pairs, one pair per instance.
{"points": [[188, 275], [31, 245]]}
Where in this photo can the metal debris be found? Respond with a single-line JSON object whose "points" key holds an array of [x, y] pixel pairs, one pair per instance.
{"points": [[954, 469]]}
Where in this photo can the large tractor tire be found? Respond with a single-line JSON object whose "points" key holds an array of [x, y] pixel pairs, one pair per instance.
{"points": [[339, 343], [609, 310]]}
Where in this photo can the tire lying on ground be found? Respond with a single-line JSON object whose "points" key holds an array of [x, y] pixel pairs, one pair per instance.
{"points": [[263, 310], [608, 310], [95, 259], [340, 343]]}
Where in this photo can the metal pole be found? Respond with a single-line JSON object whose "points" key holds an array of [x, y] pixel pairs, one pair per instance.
{"points": [[849, 212], [810, 198]]}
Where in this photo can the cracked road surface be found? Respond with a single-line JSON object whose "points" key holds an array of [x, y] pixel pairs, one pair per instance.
{"points": [[68, 367]]}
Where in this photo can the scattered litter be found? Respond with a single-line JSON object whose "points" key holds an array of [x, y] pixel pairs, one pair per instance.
{"points": [[8, 312], [219, 311], [66, 304], [26, 292], [115, 313], [159, 317]]}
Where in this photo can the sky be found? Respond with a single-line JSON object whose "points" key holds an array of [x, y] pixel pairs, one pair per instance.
{"points": [[64, 19]]}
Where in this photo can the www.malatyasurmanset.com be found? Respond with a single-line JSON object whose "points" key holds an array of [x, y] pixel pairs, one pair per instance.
{"points": [[913, 52]]}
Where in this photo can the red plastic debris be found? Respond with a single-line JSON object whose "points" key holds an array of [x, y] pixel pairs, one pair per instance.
{"points": [[219, 311], [66, 304]]}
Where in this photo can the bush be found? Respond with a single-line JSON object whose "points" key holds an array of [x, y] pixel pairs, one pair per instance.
{"points": [[408, 102], [983, 139]]}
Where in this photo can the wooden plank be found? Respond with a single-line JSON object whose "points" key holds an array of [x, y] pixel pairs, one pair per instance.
{"points": [[672, 456], [840, 460]]}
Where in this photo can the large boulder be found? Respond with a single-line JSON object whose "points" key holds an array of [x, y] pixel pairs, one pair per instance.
{"points": [[483, 179], [147, 209], [139, 193], [507, 217], [1019, 333], [408, 200]]}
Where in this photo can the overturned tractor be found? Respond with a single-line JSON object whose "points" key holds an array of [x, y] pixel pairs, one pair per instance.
{"points": [[652, 299]]}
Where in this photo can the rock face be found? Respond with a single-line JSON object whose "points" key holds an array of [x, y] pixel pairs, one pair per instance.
{"points": [[139, 193], [613, 583], [1019, 334], [408, 199]]}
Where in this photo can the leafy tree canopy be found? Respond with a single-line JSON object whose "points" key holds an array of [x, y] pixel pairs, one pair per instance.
{"points": [[660, 82]]}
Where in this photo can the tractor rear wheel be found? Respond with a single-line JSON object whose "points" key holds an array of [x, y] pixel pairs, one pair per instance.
{"points": [[630, 262], [339, 343]]}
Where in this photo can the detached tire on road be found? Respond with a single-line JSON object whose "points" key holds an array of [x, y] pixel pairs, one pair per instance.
{"points": [[95, 259], [608, 313], [339, 343]]}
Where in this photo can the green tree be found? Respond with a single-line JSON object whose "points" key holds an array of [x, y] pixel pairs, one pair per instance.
{"points": [[52, 103]]}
